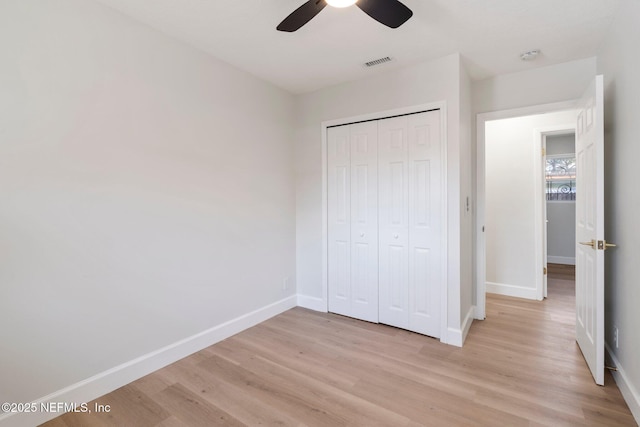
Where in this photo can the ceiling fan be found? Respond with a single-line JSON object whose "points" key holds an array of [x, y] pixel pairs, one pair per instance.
{"points": [[391, 13]]}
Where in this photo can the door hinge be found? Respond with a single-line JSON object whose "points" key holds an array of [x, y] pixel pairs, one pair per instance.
{"points": [[544, 151], [544, 271]]}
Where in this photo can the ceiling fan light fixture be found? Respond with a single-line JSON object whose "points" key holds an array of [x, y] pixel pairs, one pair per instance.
{"points": [[341, 3], [391, 13]]}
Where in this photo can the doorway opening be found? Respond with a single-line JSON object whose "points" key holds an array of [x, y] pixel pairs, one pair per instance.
{"points": [[515, 193], [559, 198], [525, 185], [530, 188]]}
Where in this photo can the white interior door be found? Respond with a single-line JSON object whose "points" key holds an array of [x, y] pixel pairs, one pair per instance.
{"points": [[352, 221], [410, 222], [590, 229]]}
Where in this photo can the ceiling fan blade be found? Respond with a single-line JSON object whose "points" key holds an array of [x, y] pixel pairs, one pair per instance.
{"points": [[391, 13], [301, 15]]}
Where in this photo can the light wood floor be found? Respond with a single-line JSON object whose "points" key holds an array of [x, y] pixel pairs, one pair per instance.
{"points": [[520, 367]]}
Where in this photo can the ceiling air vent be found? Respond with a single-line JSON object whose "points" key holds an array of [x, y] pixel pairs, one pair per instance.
{"points": [[377, 62]]}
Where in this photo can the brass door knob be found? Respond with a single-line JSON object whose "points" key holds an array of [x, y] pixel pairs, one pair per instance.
{"points": [[601, 245]]}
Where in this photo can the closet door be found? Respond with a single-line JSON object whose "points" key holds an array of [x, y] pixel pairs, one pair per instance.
{"points": [[353, 222], [410, 222], [339, 219], [425, 222], [393, 217], [364, 221]]}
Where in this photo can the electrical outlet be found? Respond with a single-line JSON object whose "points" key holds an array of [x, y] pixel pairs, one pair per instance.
{"points": [[285, 284], [616, 336]]}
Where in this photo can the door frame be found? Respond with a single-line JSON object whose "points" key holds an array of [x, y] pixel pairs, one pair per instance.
{"points": [[439, 105], [480, 257]]}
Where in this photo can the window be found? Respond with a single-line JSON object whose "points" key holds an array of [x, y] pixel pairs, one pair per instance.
{"points": [[561, 178]]}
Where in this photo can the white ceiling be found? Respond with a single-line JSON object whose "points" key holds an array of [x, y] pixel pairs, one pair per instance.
{"points": [[331, 48]]}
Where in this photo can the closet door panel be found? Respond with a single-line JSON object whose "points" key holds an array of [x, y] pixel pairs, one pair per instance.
{"points": [[393, 221], [339, 219], [364, 220], [425, 223]]}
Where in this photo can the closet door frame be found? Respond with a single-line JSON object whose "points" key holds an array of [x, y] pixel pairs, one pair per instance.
{"points": [[323, 305]]}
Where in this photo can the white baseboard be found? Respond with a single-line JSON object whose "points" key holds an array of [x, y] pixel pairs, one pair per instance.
{"points": [[627, 388], [511, 290], [312, 303], [107, 381], [458, 336], [468, 321], [551, 259]]}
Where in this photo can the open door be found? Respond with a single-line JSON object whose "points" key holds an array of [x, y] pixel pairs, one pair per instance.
{"points": [[590, 228]]}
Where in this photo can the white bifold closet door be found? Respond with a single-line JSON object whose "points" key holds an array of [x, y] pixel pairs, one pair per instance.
{"points": [[385, 221], [410, 222], [353, 220]]}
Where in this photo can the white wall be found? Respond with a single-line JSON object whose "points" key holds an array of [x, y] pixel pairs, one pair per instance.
{"points": [[147, 193], [561, 215], [510, 194], [561, 144], [423, 83], [561, 232], [538, 86], [622, 151]]}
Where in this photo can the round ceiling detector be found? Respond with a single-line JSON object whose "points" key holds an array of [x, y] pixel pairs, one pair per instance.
{"points": [[341, 3], [530, 55]]}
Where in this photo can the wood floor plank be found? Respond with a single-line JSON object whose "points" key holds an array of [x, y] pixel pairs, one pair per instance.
{"points": [[192, 410], [127, 406], [172, 421], [236, 401], [281, 395], [342, 403], [520, 367]]}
